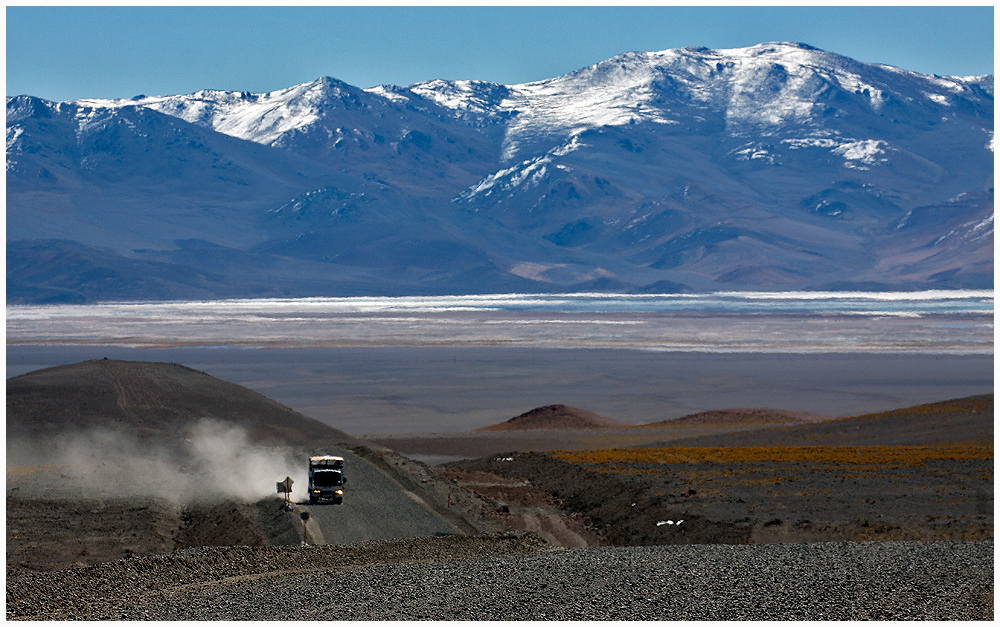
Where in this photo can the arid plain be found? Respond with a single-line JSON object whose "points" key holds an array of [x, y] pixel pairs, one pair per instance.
{"points": [[747, 476], [450, 389]]}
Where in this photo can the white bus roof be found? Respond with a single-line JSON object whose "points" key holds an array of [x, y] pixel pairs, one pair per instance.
{"points": [[325, 458]]}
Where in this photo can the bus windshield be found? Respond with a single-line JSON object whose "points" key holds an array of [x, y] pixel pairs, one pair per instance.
{"points": [[327, 478]]}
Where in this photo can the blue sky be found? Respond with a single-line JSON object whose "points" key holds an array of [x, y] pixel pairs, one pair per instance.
{"points": [[63, 53]]}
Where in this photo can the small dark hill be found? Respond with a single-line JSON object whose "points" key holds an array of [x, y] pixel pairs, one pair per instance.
{"points": [[741, 416], [965, 420], [152, 400], [555, 417]]}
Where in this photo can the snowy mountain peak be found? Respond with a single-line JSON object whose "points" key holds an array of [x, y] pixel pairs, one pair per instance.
{"points": [[775, 166], [762, 88], [464, 96], [259, 117]]}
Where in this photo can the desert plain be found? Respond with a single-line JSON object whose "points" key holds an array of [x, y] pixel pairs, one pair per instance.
{"points": [[825, 450], [456, 389]]}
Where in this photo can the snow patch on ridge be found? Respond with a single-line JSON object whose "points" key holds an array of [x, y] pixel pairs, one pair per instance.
{"points": [[861, 154], [811, 142], [753, 152], [387, 93], [938, 98], [261, 118], [969, 232], [13, 133], [529, 173], [615, 92], [473, 96]]}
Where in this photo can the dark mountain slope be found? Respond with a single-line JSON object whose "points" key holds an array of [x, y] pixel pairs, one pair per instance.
{"points": [[75, 171], [64, 271], [740, 416], [157, 401]]}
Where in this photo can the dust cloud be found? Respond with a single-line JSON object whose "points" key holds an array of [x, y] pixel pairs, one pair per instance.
{"points": [[212, 461]]}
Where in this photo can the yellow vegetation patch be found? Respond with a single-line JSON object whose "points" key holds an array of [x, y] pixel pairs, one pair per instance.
{"points": [[15, 471], [627, 470], [958, 406], [897, 456]]}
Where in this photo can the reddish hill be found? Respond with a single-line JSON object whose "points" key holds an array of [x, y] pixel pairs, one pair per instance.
{"points": [[555, 417], [741, 416], [958, 421]]}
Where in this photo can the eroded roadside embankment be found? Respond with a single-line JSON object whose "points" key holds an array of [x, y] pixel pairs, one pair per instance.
{"points": [[748, 495], [53, 534]]}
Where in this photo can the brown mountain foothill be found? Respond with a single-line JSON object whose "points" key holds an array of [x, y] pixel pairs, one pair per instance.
{"points": [[742, 416], [957, 421], [923, 472], [155, 401], [555, 417]]}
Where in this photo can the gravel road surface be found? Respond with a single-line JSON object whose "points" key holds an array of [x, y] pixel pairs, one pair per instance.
{"points": [[505, 578], [827, 581], [376, 507]]}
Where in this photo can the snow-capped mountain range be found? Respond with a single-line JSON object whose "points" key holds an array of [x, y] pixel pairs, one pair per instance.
{"points": [[777, 166]]}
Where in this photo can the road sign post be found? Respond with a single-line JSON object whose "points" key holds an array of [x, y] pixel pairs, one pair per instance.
{"points": [[286, 487]]}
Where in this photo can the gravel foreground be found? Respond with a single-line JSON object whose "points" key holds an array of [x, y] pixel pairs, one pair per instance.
{"points": [[518, 577]]}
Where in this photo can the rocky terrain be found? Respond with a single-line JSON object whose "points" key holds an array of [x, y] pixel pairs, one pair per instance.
{"points": [[752, 496], [745, 530], [923, 472], [121, 588], [53, 534], [518, 578]]}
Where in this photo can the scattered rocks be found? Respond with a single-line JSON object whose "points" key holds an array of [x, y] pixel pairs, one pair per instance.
{"points": [[753, 502], [516, 577], [125, 589]]}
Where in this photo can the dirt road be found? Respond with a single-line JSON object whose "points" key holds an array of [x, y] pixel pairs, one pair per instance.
{"points": [[56, 520], [377, 506]]}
